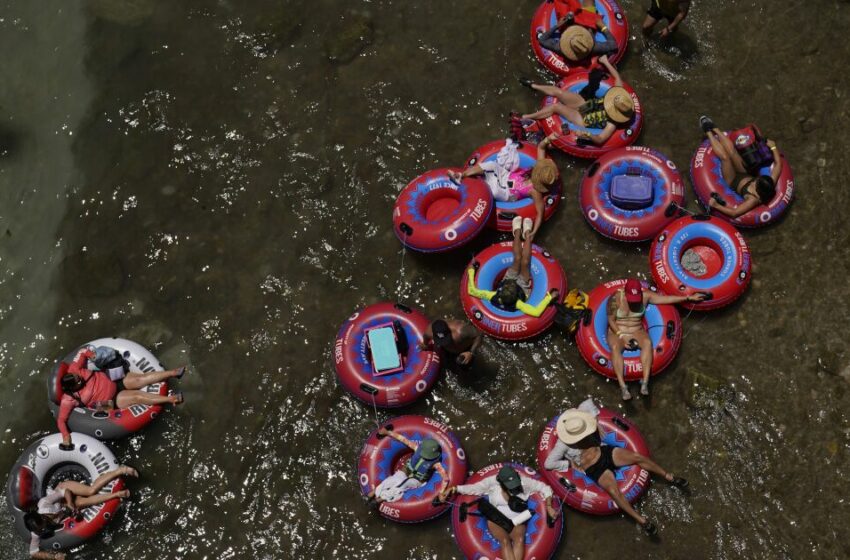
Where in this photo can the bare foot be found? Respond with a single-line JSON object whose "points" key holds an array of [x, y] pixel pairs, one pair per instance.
{"points": [[129, 471], [124, 494], [177, 398]]}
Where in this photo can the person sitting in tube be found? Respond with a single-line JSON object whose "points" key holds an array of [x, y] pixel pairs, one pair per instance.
{"points": [[67, 500], [586, 109], [674, 11], [458, 338], [626, 309], [95, 389], [415, 472], [514, 289], [754, 188], [509, 183], [580, 447], [576, 42], [507, 511]]}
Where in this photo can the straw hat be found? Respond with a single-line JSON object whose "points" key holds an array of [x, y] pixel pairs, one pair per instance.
{"points": [[575, 425], [576, 42], [619, 105]]}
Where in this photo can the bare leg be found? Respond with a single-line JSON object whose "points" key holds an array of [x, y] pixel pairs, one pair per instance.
{"points": [[138, 380], [734, 156], [645, 344], [607, 482], [517, 251], [504, 540], [568, 98], [568, 113], [128, 398], [525, 261], [623, 457], [518, 539], [81, 502], [80, 489], [648, 25], [726, 166], [616, 344]]}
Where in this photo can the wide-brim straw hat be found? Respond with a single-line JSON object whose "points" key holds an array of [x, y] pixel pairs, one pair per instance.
{"points": [[574, 425], [619, 105], [576, 42]]}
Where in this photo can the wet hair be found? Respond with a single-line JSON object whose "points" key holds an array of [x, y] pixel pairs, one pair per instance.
{"points": [[40, 524], [507, 294], [71, 383], [543, 174], [765, 188]]}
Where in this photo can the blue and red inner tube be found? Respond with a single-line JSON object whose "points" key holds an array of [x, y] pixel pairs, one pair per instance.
{"points": [[382, 456], [354, 365], [707, 178], [494, 261], [505, 212], [545, 18], [611, 217], [662, 322], [474, 538], [434, 214], [580, 492], [723, 261], [625, 135]]}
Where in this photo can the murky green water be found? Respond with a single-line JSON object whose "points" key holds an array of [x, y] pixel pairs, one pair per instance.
{"points": [[198, 176]]}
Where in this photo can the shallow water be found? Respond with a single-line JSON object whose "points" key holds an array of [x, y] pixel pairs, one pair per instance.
{"points": [[199, 177]]}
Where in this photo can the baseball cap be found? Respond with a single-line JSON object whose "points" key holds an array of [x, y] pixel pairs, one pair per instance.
{"points": [[441, 332], [634, 291]]}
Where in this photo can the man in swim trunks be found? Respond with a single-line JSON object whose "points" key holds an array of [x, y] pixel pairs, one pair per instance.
{"points": [[626, 309], [455, 337], [674, 11]]}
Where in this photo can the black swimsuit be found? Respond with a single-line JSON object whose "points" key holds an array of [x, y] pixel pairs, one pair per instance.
{"points": [[604, 463]]}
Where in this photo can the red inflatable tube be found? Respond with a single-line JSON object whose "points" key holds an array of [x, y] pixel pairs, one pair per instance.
{"points": [[722, 267], [662, 322], [546, 274], [354, 367], [624, 224], [625, 134], [505, 212], [707, 177], [588, 496], [382, 456], [434, 214], [545, 17], [474, 538]]}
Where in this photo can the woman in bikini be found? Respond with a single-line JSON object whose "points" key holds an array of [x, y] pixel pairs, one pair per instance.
{"points": [[580, 446], [754, 189]]}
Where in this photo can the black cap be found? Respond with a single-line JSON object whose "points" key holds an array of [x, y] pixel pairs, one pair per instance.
{"points": [[442, 333], [509, 478]]}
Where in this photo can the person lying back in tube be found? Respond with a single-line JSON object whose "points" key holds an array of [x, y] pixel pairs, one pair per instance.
{"points": [[576, 42], [508, 494], [415, 472], [587, 109], [754, 188], [458, 338], [515, 288], [580, 446], [508, 182], [67, 500], [95, 389]]}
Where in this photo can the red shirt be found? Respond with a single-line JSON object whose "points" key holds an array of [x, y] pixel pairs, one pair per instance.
{"points": [[98, 387], [582, 16]]}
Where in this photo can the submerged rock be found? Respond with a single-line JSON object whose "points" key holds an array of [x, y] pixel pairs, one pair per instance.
{"points": [[705, 391], [348, 38]]}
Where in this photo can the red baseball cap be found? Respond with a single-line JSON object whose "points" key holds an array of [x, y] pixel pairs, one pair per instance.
{"points": [[634, 291]]}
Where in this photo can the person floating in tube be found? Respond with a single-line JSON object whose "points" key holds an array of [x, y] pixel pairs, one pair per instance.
{"points": [[97, 389], [458, 338], [674, 11], [424, 462], [580, 447], [506, 507], [626, 309], [745, 180], [576, 42], [585, 108], [66, 500], [508, 182], [515, 288]]}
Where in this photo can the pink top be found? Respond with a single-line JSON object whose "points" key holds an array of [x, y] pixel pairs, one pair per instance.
{"points": [[98, 387], [521, 185]]}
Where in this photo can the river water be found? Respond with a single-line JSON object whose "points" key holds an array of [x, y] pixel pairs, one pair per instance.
{"points": [[200, 177]]}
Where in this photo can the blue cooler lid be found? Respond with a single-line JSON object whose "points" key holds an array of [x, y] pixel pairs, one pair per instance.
{"points": [[631, 192], [385, 356]]}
